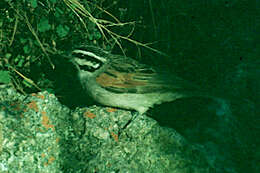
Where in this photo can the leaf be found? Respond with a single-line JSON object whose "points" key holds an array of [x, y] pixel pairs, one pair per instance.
{"points": [[20, 63], [44, 25], [5, 77], [8, 55], [58, 12], [26, 49], [34, 3], [23, 40], [62, 30]]}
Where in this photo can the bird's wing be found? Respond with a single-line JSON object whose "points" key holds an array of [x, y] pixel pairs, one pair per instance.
{"points": [[129, 76]]}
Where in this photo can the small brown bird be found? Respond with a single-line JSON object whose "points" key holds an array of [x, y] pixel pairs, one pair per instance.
{"points": [[123, 82]]}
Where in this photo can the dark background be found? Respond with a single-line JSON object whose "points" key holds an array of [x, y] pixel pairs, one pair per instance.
{"points": [[205, 39]]}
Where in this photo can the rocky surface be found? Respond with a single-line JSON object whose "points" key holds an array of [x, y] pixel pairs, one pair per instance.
{"points": [[38, 134]]}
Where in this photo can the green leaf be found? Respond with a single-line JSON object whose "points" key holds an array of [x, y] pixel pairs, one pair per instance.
{"points": [[8, 55], [44, 25], [34, 3], [62, 30], [58, 12], [26, 49], [23, 40], [5, 77], [20, 63], [16, 60]]}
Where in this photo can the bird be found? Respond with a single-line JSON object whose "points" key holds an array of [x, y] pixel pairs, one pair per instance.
{"points": [[123, 82]]}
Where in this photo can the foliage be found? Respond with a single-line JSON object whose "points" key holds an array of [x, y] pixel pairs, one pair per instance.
{"points": [[4, 77], [33, 30]]}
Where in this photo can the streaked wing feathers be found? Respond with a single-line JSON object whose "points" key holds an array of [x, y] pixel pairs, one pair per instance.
{"points": [[127, 75]]}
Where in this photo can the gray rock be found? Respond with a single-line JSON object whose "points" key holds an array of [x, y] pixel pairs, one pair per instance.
{"points": [[38, 134]]}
